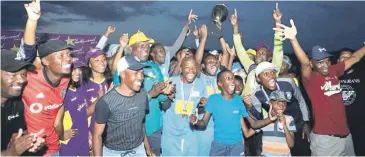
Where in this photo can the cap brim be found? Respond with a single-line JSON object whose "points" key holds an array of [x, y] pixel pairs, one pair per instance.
{"points": [[136, 67], [20, 66], [323, 56], [281, 100]]}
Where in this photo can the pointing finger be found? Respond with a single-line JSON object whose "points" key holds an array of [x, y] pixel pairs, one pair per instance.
{"points": [[277, 6]]}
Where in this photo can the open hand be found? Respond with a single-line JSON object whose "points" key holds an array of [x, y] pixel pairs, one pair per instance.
{"points": [[157, 89], [287, 32]]}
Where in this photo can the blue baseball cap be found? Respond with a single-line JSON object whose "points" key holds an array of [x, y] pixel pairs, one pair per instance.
{"points": [[319, 53], [280, 96]]}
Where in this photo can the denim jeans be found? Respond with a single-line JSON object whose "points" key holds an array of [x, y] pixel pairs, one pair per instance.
{"points": [[219, 149]]}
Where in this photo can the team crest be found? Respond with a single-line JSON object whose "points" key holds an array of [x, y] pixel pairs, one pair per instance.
{"points": [[63, 93], [288, 95]]}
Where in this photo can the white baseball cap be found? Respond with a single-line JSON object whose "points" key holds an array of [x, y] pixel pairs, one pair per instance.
{"points": [[129, 62], [264, 66]]}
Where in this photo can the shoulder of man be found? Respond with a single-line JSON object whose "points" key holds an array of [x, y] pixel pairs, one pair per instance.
{"points": [[286, 81]]}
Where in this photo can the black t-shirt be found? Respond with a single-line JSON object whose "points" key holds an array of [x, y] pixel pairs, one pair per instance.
{"points": [[353, 95], [12, 119]]}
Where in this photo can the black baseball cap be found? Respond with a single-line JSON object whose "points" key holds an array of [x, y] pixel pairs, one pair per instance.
{"points": [[11, 63], [52, 46]]}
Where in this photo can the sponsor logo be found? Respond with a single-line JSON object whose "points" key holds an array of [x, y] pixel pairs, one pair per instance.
{"points": [[330, 89], [38, 107], [40, 95], [13, 116], [63, 92], [348, 94], [80, 106], [235, 111], [73, 99]]}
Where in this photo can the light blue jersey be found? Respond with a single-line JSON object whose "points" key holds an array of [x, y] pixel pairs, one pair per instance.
{"points": [[179, 137]]}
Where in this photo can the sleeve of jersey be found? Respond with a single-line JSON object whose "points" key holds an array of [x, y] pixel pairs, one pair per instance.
{"points": [[278, 54], [241, 52], [338, 69], [209, 107], [102, 112], [302, 104], [256, 108]]}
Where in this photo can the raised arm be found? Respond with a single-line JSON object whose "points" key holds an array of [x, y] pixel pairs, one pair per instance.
{"points": [[200, 51], [278, 52], [355, 57], [226, 55], [181, 38], [240, 50], [290, 33], [104, 38], [232, 55], [123, 43], [196, 35], [29, 47]]}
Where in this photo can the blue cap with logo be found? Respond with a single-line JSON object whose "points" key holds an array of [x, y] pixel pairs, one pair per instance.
{"points": [[319, 53], [280, 96]]}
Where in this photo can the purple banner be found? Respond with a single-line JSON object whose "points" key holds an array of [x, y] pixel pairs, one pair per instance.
{"points": [[81, 43]]}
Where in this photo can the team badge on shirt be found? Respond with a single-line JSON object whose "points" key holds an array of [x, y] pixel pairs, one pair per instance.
{"points": [[63, 92]]}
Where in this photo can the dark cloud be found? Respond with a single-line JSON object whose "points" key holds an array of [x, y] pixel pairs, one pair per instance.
{"points": [[13, 14]]}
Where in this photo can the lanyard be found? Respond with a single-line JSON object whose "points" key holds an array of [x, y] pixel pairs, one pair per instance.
{"points": [[267, 97], [183, 94]]}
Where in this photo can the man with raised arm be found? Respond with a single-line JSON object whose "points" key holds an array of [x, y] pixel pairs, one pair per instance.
{"points": [[331, 135], [43, 95]]}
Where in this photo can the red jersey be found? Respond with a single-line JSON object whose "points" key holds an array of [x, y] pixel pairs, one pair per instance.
{"points": [[41, 104], [326, 97]]}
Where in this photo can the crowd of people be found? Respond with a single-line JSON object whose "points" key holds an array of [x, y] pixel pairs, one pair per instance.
{"points": [[143, 98]]}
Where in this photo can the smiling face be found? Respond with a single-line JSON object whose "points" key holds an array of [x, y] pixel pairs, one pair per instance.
{"points": [[141, 50], [189, 69], [133, 79], [210, 65], [239, 85], [98, 64], [12, 83], [261, 55], [268, 79], [278, 107], [226, 82], [158, 54], [321, 66], [59, 62], [76, 74]]}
